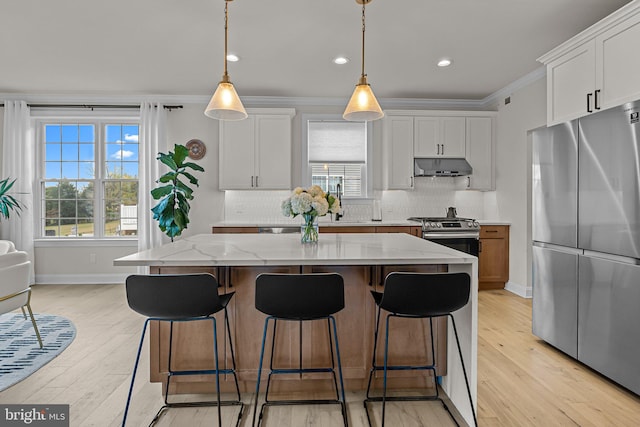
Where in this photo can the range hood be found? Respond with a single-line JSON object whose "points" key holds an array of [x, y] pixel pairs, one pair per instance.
{"points": [[441, 167]]}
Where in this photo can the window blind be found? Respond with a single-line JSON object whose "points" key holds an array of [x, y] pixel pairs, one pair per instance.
{"points": [[337, 142]]}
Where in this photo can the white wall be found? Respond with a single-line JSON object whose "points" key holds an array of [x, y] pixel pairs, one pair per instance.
{"points": [[526, 112], [65, 264]]}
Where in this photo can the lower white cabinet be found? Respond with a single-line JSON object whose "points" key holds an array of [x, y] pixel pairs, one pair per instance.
{"points": [[255, 153]]}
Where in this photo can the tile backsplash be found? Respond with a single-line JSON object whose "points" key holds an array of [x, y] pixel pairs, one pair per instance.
{"points": [[430, 197]]}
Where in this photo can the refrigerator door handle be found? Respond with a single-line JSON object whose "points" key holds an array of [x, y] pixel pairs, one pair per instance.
{"points": [[612, 257]]}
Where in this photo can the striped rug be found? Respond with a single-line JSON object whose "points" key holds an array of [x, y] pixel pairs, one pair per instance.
{"points": [[20, 353]]}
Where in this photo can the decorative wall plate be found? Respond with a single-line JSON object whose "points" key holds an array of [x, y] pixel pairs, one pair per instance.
{"points": [[196, 149]]}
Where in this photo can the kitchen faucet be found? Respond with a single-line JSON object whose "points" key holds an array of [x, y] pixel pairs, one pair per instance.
{"points": [[339, 193]]}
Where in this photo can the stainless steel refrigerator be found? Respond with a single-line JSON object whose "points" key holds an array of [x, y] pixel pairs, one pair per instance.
{"points": [[586, 249]]}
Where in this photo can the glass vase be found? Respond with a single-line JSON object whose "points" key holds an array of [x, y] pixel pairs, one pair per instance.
{"points": [[309, 230]]}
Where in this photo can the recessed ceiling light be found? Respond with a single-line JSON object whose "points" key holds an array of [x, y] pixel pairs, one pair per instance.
{"points": [[340, 60], [232, 58], [444, 62]]}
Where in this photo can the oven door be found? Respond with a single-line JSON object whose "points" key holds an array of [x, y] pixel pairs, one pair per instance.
{"points": [[464, 242]]}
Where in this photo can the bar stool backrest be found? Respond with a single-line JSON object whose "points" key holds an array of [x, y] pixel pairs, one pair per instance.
{"points": [[300, 296], [425, 294], [173, 296]]}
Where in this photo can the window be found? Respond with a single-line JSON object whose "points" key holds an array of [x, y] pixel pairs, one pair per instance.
{"points": [[337, 153], [89, 178]]}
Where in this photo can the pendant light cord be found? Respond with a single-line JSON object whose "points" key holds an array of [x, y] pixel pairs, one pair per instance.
{"points": [[363, 29], [225, 76]]}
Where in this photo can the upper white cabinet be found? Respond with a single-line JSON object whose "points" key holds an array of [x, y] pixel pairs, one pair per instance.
{"points": [[479, 154], [398, 147], [460, 134], [596, 69], [439, 137], [255, 153]]}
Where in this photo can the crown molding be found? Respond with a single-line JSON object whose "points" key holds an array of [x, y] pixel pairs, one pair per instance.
{"points": [[606, 23], [491, 102]]}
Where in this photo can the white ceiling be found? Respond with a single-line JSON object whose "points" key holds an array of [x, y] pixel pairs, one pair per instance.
{"points": [[175, 47]]}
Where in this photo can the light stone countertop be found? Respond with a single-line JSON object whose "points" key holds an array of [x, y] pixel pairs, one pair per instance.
{"points": [[286, 249], [231, 250], [321, 223]]}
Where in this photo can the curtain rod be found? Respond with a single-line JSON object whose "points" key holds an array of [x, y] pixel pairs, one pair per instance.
{"points": [[91, 106]]}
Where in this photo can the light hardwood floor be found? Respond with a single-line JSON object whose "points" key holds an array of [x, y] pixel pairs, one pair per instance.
{"points": [[521, 380]]}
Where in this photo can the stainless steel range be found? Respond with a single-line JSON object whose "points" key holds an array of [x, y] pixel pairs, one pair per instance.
{"points": [[462, 234]]}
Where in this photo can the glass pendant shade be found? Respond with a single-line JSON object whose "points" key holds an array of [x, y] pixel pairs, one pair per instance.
{"points": [[363, 105], [225, 104]]}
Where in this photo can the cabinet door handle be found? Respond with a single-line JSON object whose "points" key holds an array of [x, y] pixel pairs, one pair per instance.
{"points": [[479, 245], [468, 182], [596, 100], [256, 181], [438, 148], [411, 180], [589, 110], [251, 181], [490, 231], [442, 149]]}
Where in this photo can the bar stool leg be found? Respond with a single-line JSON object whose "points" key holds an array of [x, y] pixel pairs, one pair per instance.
{"points": [[344, 399], [386, 359], [135, 369], [255, 402], [233, 359]]}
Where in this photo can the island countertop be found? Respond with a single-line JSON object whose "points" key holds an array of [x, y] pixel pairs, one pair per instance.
{"points": [[363, 259], [286, 249]]}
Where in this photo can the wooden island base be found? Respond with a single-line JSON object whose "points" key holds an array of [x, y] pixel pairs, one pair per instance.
{"points": [[193, 341]]}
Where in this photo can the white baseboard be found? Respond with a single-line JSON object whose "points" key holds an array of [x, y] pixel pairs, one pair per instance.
{"points": [[80, 279], [518, 289]]}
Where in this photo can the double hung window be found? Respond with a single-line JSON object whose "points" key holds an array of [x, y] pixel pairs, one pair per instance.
{"points": [[88, 178]]}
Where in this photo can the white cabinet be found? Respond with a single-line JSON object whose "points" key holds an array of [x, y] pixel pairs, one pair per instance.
{"points": [[255, 153], [459, 134], [398, 147], [439, 137], [571, 83], [479, 154], [595, 70]]}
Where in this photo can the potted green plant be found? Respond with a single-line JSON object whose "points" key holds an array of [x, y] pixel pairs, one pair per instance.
{"points": [[8, 203], [172, 211]]}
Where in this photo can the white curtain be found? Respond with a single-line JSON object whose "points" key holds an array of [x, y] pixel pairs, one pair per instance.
{"points": [[153, 118], [18, 162]]}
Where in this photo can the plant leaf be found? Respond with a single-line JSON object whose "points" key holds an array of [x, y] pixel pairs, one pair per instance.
{"points": [[167, 159], [167, 177], [193, 166], [156, 193], [181, 153], [188, 192], [192, 179]]}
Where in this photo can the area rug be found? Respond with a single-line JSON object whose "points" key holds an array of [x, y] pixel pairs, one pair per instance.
{"points": [[20, 353]]}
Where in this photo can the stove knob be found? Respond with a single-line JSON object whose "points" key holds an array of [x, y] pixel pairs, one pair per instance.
{"points": [[439, 225], [469, 224], [432, 224], [475, 224]]}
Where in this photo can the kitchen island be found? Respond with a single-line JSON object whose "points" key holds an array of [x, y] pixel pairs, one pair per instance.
{"points": [[363, 260]]}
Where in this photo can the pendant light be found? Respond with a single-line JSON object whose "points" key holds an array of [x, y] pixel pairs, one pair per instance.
{"points": [[363, 105], [225, 103]]}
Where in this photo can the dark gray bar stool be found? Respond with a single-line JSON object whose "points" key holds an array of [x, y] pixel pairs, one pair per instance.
{"points": [[300, 297], [182, 298], [418, 296]]}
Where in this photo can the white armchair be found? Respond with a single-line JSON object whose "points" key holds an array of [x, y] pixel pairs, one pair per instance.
{"points": [[15, 291]]}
